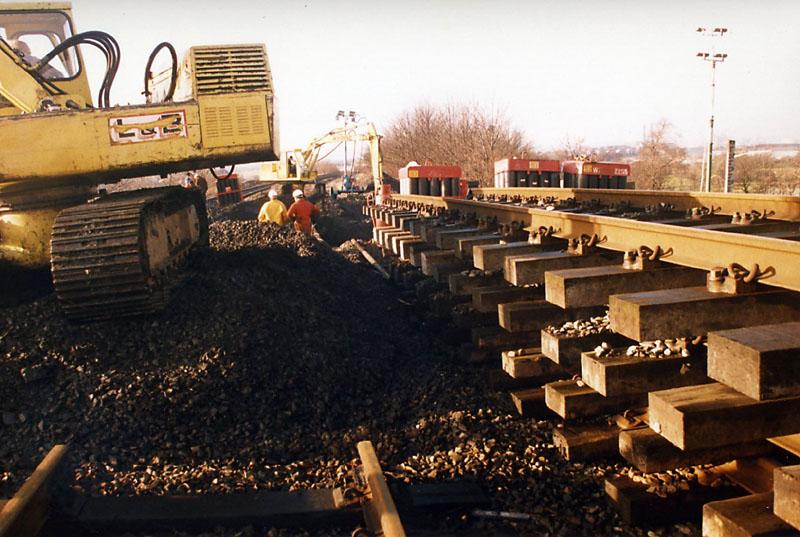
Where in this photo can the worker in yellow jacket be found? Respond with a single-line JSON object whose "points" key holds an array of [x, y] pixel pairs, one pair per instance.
{"points": [[273, 211]]}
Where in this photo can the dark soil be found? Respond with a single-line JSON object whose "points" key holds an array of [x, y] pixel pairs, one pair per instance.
{"points": [[273, 359]]}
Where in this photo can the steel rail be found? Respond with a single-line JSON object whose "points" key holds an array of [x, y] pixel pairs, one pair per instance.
{"points": [[26, 512], [383, 507], [785, 207], [246, 192], [691, 247], [254, 189]]}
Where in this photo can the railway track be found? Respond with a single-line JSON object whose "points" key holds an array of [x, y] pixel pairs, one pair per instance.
{"points": [[773, 241], [695, 365], [523, 328], [250, 189], [46, 505]]}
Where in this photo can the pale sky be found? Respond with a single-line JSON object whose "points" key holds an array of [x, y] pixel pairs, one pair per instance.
{"points": [[598, 70]]}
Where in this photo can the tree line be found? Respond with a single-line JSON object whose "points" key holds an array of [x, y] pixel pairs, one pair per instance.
{"points": [[474, 138], [466, 135]]}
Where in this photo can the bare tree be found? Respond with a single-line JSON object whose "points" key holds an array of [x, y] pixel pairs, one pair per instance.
{"points": [[572, 149], [788, 176], [466, 135], [659, 158], [754, 173]]}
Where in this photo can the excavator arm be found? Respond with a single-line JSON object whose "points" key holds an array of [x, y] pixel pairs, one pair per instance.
{"points": [[27, 92], [376, 157], [18, 85], [305, 160], [349, 134]]}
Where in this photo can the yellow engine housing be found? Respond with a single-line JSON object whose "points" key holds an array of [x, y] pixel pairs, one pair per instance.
{"points": [[223, 114]]}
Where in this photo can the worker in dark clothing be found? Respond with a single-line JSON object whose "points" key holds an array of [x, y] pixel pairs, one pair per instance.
{"points": [[201, 183], [302, 212]]}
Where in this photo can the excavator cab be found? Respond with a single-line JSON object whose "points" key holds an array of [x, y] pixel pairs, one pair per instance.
{"points": [[291, 167], [28, 33]]}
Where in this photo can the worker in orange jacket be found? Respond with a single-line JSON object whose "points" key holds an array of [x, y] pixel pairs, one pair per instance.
{"points": [[302, 212]]}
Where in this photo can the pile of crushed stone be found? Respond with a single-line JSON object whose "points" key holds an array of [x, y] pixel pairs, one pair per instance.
{"points": [[274, 358]]}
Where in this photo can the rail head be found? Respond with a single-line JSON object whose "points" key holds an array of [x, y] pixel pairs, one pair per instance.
{"points": [[780, 207], [381, 507], [25, 513], [697, 248]]}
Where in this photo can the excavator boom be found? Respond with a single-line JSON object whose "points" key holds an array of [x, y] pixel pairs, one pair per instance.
{"points": [[305, 160]]}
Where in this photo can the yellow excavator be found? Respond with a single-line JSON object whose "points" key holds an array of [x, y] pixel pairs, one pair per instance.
{"points": [[116, 254], [299, 165]]}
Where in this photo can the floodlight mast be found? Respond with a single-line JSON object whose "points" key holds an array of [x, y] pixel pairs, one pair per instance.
{"points": [[347, 118], [712, 57]]}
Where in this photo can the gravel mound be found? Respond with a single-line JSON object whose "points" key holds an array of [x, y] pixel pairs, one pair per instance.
{"points": [[259, 322], [238, 235], [275, 356]]}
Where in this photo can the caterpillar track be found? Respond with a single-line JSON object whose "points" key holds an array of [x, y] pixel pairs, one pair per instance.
{"points": [[119, 255]]}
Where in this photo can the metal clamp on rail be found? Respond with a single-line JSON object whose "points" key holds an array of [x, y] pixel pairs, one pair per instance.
{"points": [[661, 208], [512, 232], [551, 200], [542, 234], [632, 419], [592, 205], [645, 257], [466, 218], [584, 245], [735, 278], [698, 213], [751, 217], [620, 207]]}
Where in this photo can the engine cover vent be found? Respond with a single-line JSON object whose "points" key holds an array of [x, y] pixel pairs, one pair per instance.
{"points": [[230, 69]]}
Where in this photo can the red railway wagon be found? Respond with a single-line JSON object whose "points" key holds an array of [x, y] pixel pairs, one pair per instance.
{"points": [[430, 180], [514, 172], [585, 174]]}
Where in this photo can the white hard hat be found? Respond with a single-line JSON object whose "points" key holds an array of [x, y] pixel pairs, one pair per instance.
{"points": [[272, 194], [297, 193]]}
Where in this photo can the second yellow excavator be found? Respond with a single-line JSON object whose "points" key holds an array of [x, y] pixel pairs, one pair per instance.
{"points": [[299, 165]]}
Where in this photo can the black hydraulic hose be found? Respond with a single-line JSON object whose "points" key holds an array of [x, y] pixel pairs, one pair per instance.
{"points": [[113, 58], [103, 94], [76, 40], [148, 75], [106, 43], [118, 52], [218, 178]]}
